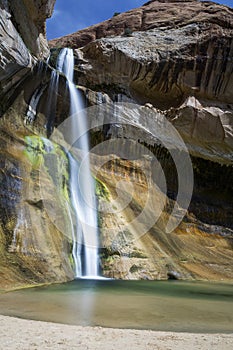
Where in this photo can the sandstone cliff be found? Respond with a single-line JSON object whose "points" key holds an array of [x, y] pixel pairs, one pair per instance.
{"points": [[175, 57], [22, 41], [153, 14], [173, 61], [179, 59], [32, 248]]}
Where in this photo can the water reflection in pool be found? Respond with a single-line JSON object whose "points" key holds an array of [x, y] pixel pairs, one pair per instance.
{"points": [[174, 306]]}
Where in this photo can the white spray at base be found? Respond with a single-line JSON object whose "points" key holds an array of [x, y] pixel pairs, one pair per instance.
{"points": [[85, 232]]}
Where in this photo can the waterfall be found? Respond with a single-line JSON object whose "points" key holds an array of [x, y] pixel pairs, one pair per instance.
{"points": [[81, 182], [33, 104], [52, 101]]}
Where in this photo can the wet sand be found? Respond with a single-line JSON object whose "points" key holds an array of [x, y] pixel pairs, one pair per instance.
{"points": [[35, 335]]}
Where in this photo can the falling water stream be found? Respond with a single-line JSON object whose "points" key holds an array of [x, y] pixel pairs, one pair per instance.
{"points": [[85, 246], [52, 100]]}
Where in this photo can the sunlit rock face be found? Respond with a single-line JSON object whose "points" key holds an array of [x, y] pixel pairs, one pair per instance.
{"points": [[175, 59], [178, 58], [35, 231], [33, 247], [133, 245], [162, 14]]}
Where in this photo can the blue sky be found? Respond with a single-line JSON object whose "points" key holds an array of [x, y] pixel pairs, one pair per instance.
{"points": [[72, 15]]}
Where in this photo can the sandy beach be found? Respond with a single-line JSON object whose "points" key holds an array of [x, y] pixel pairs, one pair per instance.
{"points": [[34, 335]]}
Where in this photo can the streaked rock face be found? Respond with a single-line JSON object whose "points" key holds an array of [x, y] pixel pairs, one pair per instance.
{"points": [[206, 128], [23, 40], [178, 58], [199, 247], [29, 20], [32, 248], [172, 58]]}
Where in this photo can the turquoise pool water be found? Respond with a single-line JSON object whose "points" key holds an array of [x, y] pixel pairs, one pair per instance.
{"points": [[157, 305]]}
